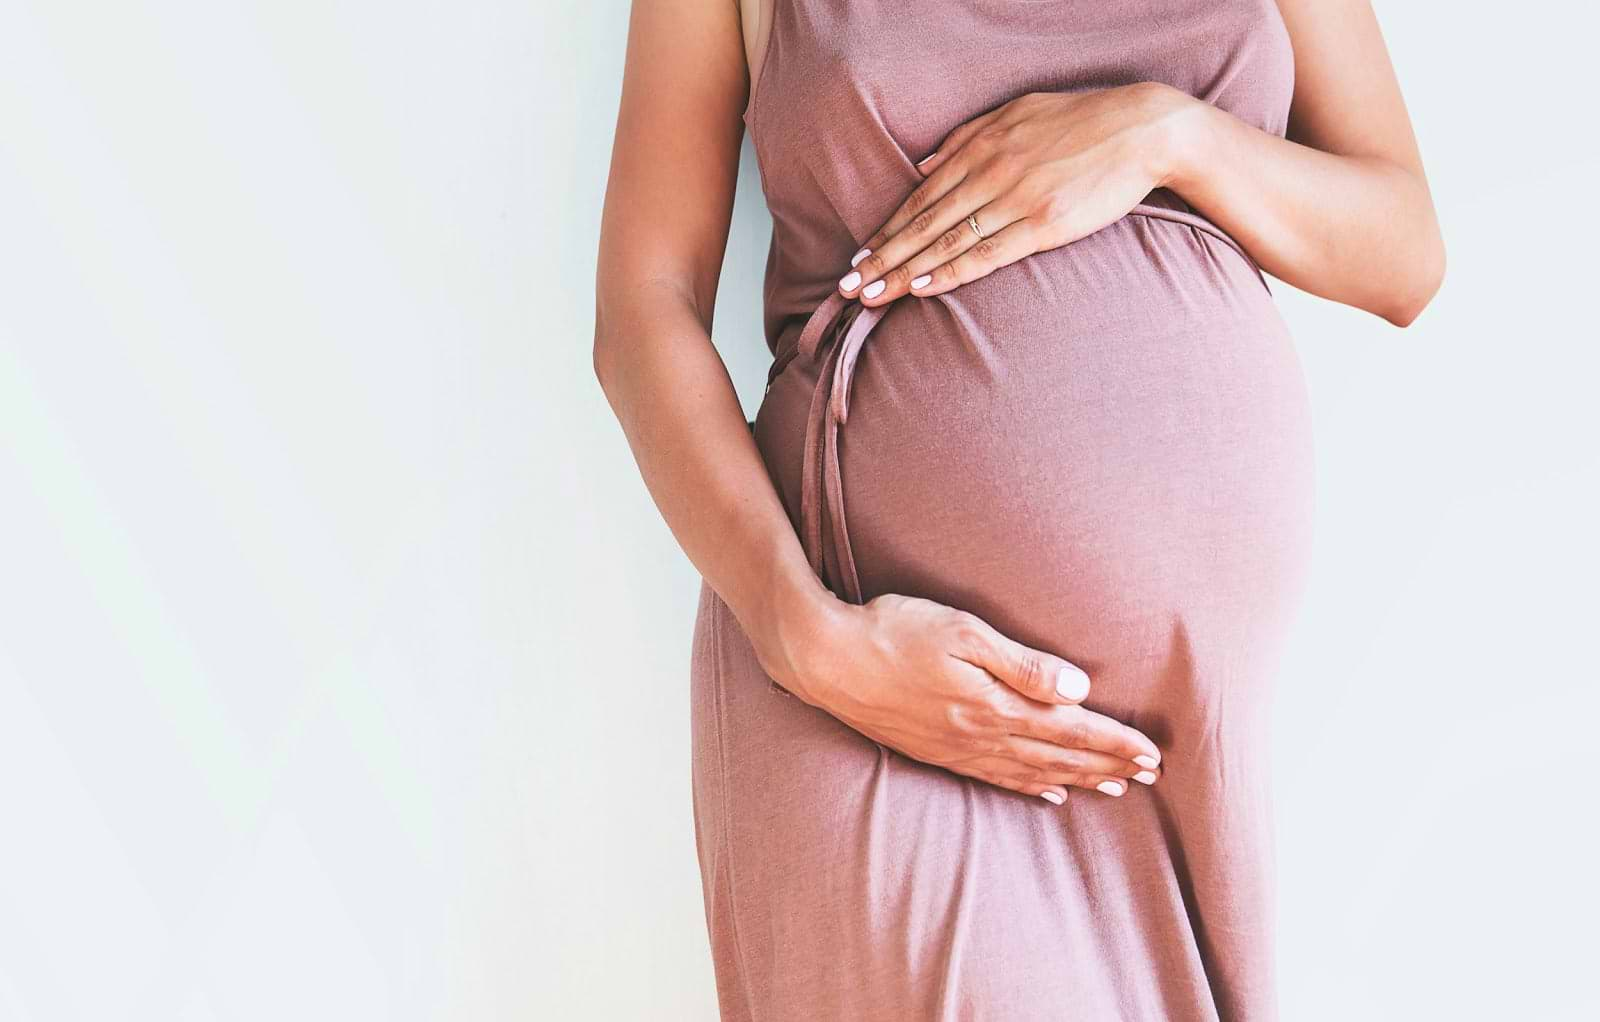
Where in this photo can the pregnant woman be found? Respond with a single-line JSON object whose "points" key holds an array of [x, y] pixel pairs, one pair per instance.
{"points": [[996, 585]]}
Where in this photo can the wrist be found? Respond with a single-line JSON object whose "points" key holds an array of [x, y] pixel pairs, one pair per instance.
{"points": [[798, 621], [1179, 130]]}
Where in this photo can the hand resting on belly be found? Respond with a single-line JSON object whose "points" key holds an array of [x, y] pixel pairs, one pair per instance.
{"points": [[941, 686]]}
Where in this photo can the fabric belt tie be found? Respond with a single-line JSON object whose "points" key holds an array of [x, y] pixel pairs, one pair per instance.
{"points": [[822, 522]]}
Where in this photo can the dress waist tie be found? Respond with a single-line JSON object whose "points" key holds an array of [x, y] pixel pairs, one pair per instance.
{"points": [[822, 521]]}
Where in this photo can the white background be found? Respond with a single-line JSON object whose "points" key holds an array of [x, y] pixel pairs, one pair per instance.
{"points": [[343, 656]]}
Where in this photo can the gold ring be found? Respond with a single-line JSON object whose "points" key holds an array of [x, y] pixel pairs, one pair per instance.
{"points": [[972, 222]]}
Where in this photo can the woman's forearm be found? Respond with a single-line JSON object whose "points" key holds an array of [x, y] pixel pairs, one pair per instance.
{"points": [[1357, 229], [682, 418]]}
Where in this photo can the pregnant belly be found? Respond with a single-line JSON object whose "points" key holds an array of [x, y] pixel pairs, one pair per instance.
{"points": [[1104, 450]]}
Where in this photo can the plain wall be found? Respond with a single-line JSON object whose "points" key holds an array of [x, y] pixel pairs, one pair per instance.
{"points": [[343, 655]]}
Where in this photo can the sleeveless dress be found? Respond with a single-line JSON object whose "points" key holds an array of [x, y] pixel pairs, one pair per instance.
{"points": [[1104, 451]]}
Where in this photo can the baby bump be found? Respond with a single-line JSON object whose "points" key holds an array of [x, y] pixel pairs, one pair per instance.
{"points": [[1103, 449]]}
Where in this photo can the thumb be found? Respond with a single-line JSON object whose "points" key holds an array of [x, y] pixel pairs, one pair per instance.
{"points": [[1036, 674]]}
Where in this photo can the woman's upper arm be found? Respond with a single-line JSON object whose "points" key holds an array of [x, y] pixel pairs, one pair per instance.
{"points": [[1346, 98], [675, 157]]}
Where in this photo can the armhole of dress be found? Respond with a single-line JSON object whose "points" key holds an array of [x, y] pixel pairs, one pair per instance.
{"points": [[766, 15]]}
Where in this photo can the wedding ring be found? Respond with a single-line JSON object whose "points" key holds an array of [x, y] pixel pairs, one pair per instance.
{"points": [[972, 222]]}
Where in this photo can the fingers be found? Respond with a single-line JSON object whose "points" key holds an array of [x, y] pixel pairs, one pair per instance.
{"points": [[1055, 794], [1031, 779], [1016, 240], [1003, 774], [1054, 687], [1075, 727], [930, 217], [1081, 768], [918, 204], [1035, 674]]}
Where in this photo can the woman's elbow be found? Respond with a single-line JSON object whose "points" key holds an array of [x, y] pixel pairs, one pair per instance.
{"points": [[1421, 284], [604, 351]]}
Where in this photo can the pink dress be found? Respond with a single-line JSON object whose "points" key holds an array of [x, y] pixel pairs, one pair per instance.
{"points": [[1103, 450]]}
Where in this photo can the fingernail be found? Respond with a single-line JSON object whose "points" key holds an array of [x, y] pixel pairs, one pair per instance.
{"points": [[1072, 683], [873, 289], [921, 281], [849, 281], [926, 158], [1145, 777], [1051, 796], [1110, 787], [1146, 761], [860, 256]]}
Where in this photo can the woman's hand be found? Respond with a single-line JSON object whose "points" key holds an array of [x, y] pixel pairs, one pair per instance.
{"points": [[941, 686], [1037, 173]]}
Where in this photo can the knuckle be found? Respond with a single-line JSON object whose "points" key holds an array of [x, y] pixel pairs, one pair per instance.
{"points": [[956, 719], [1074, 762], [1062, 760], [991, 714], [1073, 735], [919, 199], [1052, 206], [1030, 674], [968, 642], [1006, 163], [884, 602], [986, 250], [922, 223], [966, 632], [1032, 185], [871, 268], [989, 746], [1008, 712], [898, 277], [949, 241]]}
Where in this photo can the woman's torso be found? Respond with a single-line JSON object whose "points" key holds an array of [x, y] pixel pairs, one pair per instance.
{"points": [[1091, 417], [1103, 449]]}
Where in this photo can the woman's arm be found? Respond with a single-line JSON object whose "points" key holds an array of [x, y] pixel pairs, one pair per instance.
{"points": [[1340, 208], [664, 231], [933, 682]]}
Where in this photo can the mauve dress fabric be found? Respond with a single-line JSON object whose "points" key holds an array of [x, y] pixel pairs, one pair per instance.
{"points": [[1104, 451]]}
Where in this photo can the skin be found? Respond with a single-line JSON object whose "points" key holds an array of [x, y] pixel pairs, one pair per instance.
{"points": [[1341, 211], [1339, 208]]}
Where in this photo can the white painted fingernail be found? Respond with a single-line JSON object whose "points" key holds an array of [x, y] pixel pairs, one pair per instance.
{"points": [[873, 289], [1146, 761], [928, 157], [1072, 683], [860, 256], [1145, 777], [849, 281], [1051, 796], [1110, 787], [922, 281]]}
